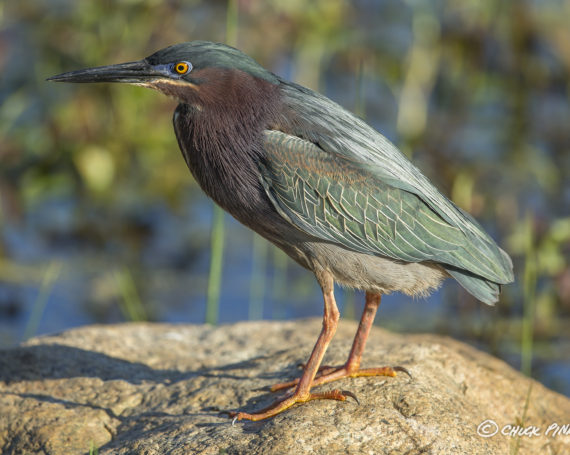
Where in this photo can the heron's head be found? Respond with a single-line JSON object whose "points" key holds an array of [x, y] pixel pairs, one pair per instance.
{"points": [[197, 72]]}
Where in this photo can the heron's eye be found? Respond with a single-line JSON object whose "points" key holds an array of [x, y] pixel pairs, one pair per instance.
{"points": [[182, 67]]}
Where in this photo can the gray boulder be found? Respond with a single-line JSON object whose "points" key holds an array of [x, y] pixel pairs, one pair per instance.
{"points": [[159, 389]]}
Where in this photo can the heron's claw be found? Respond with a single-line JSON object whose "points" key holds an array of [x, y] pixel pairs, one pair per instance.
{"points": [[348, 393], [403, 370]]}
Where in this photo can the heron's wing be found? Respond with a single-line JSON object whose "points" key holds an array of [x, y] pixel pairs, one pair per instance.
{"points": [[339, 132], [351, 204]]}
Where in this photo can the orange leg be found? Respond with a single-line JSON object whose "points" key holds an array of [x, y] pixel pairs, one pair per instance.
{"points": [[351, 369], [302, 392]]}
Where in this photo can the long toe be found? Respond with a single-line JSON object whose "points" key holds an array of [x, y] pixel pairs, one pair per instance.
{"points": [[281, 405], [346, 372], [329, 374]]}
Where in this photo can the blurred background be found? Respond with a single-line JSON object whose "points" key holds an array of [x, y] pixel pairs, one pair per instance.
{"points": [[101, 221]]}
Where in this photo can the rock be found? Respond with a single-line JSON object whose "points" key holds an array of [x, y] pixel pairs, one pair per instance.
{"points": [[158, 389]]}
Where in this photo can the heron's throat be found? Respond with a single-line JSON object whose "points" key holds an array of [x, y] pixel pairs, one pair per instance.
{"points": [[181, 90], [222, 141]]}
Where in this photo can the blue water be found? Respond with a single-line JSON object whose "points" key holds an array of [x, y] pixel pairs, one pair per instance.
{"points": [[170, 273]]}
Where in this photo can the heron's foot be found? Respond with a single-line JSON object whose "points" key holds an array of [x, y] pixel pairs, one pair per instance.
{"points": [[328, 374], [290, 400]]}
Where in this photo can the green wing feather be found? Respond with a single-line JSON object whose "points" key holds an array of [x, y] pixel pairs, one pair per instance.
{"points": [[350, 203]]}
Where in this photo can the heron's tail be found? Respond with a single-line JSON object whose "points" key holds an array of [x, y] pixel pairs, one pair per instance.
{"points": [[484, 290]]}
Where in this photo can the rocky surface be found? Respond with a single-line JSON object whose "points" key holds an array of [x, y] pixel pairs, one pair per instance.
{"points": [[159, 389]]}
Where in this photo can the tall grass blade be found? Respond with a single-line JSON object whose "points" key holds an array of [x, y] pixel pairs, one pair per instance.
{"points": [[218, 223], [48, 282], [529, 298], [279, 282], [131, 306], [232, 23], [216, 263], [93, 449]]}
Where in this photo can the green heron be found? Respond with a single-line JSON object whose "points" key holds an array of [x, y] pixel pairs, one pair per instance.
{"points": [[319, 183]]}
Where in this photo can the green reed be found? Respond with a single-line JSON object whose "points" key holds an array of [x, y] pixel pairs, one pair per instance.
{"points": [[218, 221], [529, 297], [50, 277], [131, 305], [257, 283]]}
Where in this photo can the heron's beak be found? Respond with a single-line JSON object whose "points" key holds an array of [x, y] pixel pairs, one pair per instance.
{"points": [[139, 72]]}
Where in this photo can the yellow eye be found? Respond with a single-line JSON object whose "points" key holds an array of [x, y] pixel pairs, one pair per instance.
{"points": [[182, 67]]}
